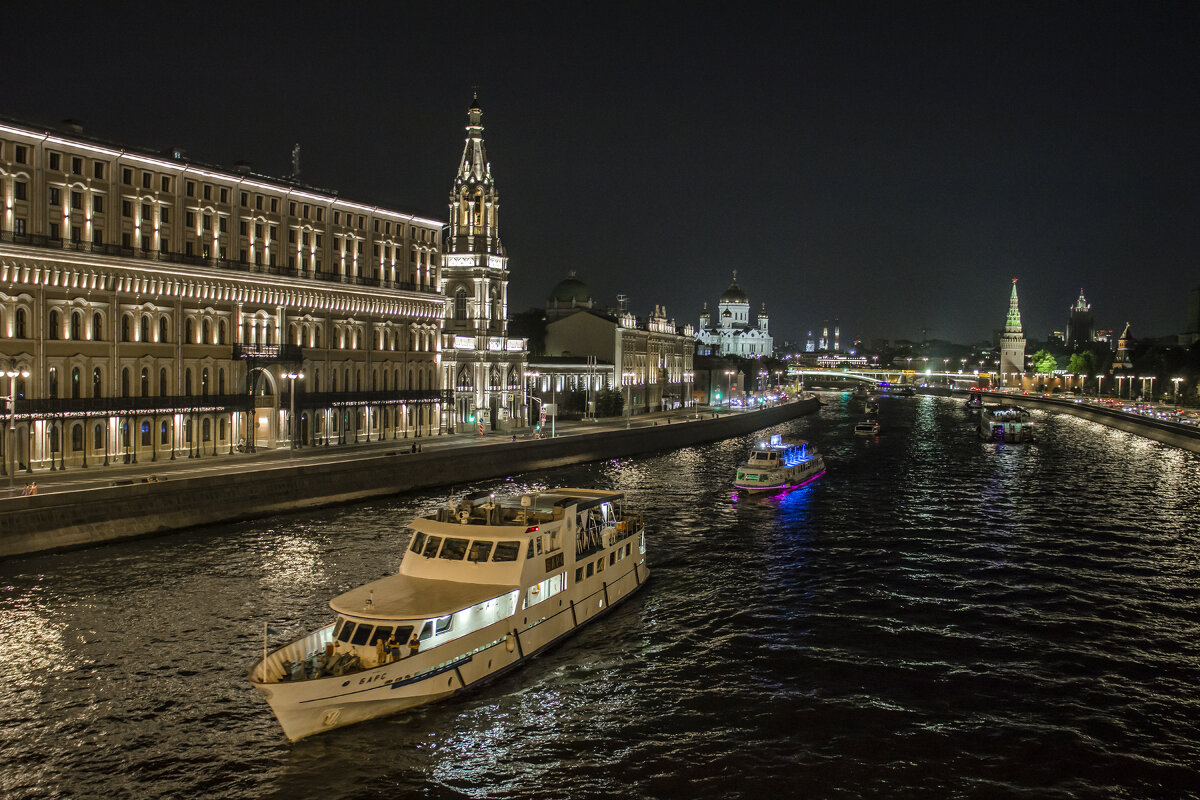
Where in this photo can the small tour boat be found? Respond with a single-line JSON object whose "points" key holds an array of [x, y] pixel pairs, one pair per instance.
{"points": [[779, 464], [482, 587], [868, 427], [974, 402], [1005, 424]]}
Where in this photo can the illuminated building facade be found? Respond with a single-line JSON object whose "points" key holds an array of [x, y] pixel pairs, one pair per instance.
{"points": [[1012, 342], [153, 307], [1081, 328], [733, 334], [484, 367]]}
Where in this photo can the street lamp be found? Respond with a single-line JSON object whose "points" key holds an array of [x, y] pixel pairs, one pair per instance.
{"points": [[626, 381], [1175, 394], [529, 398], [292, 376], [10, 443], [728, 386]]}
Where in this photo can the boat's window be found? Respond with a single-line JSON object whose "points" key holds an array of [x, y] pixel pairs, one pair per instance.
{"points": [[431, 546], [590, 569], [506, 551], [426, 631], [403, 632], [600, 564], [454, 549], [627, 545], [480, 551], [578, 574], [344, 633], [443, 624], [539, 545], [418, 542], [530, 553], [337, 626], [360, 635], [612, 559], [381, 634]]}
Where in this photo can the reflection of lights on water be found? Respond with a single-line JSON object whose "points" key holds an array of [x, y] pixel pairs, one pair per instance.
{"points": [[32, 647], [293, 562]]}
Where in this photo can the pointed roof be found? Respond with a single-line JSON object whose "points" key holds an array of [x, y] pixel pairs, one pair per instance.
{"points": [[1012, 325], [474, 166]]}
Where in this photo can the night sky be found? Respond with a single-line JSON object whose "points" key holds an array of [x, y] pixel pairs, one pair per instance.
{"points": [[891, 164]]}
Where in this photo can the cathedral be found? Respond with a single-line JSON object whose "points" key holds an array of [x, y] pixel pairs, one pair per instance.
{"points": [[733, 334]]}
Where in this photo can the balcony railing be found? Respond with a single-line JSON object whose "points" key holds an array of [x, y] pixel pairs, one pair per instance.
{"points": [[284, 353], [39, 240], [335, 399], [106, 406]]}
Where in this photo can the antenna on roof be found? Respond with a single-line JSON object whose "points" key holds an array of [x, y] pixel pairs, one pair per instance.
{"points": [[622, 300], [296, 162]]}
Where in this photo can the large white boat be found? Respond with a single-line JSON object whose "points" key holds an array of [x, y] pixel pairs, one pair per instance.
{"points": [[483, 586], [778, 465]]}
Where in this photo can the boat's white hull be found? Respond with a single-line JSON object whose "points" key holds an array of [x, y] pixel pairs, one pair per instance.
{"points": [[790, 478], [306, 707]]}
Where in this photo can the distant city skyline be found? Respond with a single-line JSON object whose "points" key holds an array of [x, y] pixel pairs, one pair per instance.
{"points": [[895, 165]]}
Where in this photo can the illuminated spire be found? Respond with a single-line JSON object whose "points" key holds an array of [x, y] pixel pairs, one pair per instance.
{"points": [[474, 201], [1013, 323]]}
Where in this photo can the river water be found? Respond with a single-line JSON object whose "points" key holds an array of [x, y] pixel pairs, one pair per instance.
{"points": [[936, 617]]}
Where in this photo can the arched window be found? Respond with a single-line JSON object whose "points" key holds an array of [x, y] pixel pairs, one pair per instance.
{"points": [[98, 437], [162, 329], [294, 334], [187, 431], [75, 384], [97, 382], [125, 328], [125, 382], [187, 381], [333, 384], [270, 333], [76, 437], [206, 330], [460, 304], [162, 382], [76, 327], [221, 381], [354, 341], [145, 382], [52, 383], [164, 434], [20, 331], [316, 337], [358, 380], [125, 435], [97, 327], [374, 377], [222, 429], [316, 380], [147, 439], [145, 329], [54, 438], [189, 328], [347, 380], [204, 382], [52, 333], [221, 332], [385, 380], [206, 430], [246, 332]]}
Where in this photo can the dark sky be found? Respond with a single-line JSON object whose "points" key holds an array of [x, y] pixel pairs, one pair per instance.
{"points": [[891, 164]]}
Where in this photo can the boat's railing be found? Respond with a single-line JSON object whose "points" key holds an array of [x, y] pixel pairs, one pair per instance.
{"points": [[271, 670]]}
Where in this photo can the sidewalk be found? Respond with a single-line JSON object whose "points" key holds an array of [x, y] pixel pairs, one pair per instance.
{"points": [[74, 478]]}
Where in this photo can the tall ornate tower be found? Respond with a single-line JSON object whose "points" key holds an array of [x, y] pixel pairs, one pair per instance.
{"points": [[481, 364], [1080, 328], [1012, 343]]}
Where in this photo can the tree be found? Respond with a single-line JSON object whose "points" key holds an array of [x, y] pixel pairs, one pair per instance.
{"points": [[1082, 363], [609, 403], [1043, 362]]}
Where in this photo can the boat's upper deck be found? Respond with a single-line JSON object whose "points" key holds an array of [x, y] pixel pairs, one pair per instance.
{"points": [[405, 597]]}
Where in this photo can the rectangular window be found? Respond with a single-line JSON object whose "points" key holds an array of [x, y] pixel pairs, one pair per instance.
{"points": [[53, 230], [224, 224], [126, 240], [164, 215], [98, 203], [506, 551], [377, 226], [97, 236], [55, 161], [292, 209], [431, 546], [361, 635], [362, 221], [145, 180], [75, 233], [600, 564], [20, 154], [258, 198], [243, 228], [579, 574], [274, 233], [480, 551], [337, 218], [274, 205], [418, 541], [190, 219], [207, 192], [245, 199], [318, 240], [145, 211], [590, 569], [166, 183], [126, 208], [443, 624], [612, 559], [54, 196], [190, 188], [320, 214], [98, 170], [19, 226], [292, 235], [304, 210], [454, 549], [258, 230], [208, 222], [77, 200], [77, 165], [224, 195], [187, 248], [21, 190], [145, 242]]}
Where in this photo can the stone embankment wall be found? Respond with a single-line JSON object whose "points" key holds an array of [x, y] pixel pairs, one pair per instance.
{"points": [[73, 519], [1187, 438]]}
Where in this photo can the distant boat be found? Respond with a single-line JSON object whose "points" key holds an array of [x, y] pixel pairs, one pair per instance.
{"points": [[1005, 424], [868, 427], [778, 465]]}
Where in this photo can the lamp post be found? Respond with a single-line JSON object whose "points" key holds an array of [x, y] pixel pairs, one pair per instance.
{"points": [[292, 376], [1175, 393], [728, 386], [627, 380], [1099, 383], [532, 377], [11, 433]]}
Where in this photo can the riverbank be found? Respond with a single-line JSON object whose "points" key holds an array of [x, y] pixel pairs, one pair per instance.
{"points": [[88, 516], [1186, 437]]}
